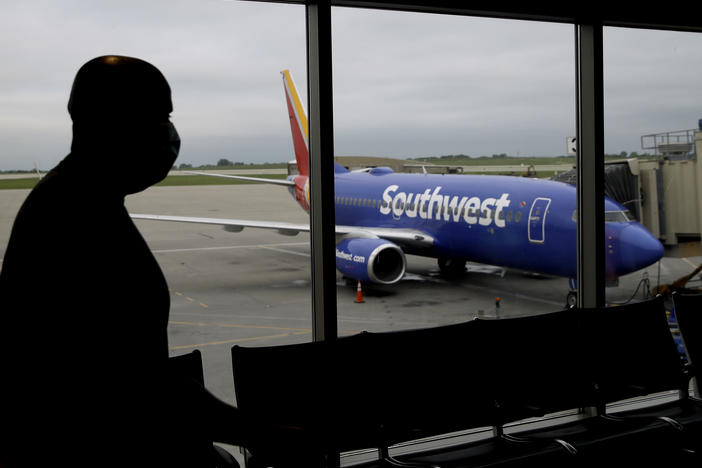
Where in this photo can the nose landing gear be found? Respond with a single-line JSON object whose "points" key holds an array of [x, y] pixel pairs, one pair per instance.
{"points": [[572, 297]]}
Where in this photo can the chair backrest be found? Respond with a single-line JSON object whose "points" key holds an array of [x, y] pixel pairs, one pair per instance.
{"points": [[432, 381], [630, 351], [189, 365], [372, 389], [688, 311], [539, 364], [319, 387]]}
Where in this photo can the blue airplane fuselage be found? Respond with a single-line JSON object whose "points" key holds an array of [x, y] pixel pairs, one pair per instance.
{"points": [[514, 222]]}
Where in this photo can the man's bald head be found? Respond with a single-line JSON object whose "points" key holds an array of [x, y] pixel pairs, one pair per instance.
{"points": [[121, 108], [113, 87]]}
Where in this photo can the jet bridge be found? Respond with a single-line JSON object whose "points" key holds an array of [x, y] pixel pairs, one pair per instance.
{"points": [[665, 193], [670, 187]]}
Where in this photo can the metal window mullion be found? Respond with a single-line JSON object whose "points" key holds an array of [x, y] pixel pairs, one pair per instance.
{"points": [[321, 153], [590, 164]]}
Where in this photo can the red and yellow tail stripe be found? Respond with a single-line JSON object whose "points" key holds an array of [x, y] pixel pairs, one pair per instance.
{"points": [[298, 123]]}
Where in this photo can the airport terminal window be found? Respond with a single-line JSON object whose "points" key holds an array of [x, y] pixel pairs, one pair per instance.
{"points": [[535, 222], [426, 77], [226, 288], [437, 92]]}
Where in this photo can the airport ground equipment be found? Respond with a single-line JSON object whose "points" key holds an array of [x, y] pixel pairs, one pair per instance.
{"points": [[377, 390], [678, 285]]}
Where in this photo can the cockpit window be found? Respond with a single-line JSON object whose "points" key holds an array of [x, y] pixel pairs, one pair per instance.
{"points": [[613, 216], [618, 217]]}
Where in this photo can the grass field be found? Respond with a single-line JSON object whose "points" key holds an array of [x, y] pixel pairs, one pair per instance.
{"points": [[9, 184], [181, 180]]}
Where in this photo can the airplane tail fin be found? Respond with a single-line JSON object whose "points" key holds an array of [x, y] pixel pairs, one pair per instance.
{"points": [[298, 123]]}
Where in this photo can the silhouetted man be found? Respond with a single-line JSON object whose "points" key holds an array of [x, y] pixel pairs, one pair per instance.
{"points": [[84, 305]]}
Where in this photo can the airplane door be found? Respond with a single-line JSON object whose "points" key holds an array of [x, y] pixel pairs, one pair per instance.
{"points": [[537, 220]]}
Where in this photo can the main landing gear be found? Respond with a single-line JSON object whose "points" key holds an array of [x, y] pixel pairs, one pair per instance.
{"points": [[451, 266]]}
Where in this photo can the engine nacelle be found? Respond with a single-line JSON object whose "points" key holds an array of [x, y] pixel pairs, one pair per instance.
{"points": [[376, 260]]}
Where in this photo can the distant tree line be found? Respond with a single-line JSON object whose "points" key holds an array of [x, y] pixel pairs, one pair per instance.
{"points": [[457, 157], [224, 163]]}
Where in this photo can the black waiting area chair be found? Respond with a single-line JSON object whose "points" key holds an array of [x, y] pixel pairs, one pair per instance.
{"points": [[688, 312], [190, 366], [377, 390]]}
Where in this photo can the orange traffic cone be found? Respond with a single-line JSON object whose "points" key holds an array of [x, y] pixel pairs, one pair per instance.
{"points": [[359, 293]]}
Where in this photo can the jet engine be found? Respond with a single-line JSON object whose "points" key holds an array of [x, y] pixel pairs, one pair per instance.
{"points": [[370, 259]]}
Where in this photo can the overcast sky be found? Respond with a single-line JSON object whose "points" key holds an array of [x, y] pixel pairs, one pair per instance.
{"points": [[405, 84]]}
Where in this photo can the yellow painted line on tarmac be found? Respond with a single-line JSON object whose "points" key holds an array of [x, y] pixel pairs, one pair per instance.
{"points": [[230, 247], [189, 299], [238, 340], [290, 330], [686, 260], [287, 331]]}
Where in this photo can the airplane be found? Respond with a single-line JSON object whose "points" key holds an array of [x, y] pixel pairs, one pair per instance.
{"points": [[513, 222]]}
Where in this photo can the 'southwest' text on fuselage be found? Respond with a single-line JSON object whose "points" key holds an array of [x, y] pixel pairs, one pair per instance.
{"points": [[471, 210]]}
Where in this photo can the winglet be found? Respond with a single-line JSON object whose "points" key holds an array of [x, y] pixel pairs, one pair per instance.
{"points": [[36, 168], [298, 123]]}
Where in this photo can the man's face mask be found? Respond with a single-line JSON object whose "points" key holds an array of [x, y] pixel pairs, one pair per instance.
{"points": [[151, 150]]}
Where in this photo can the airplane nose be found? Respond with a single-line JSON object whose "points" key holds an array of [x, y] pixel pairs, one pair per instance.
{"points": [[637, 249]]}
